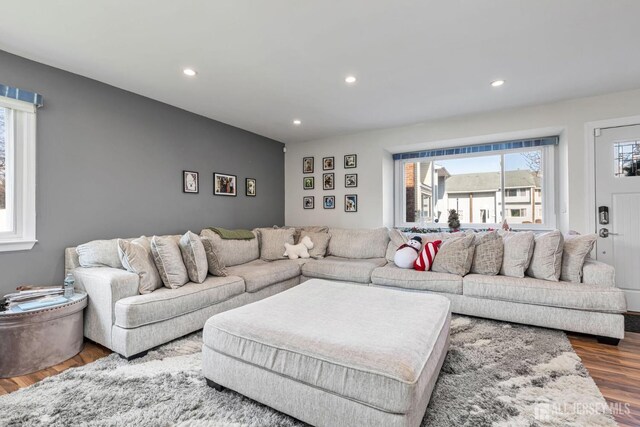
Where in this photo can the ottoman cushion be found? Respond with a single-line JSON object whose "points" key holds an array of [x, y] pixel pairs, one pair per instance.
{"points": [[376, 346]]}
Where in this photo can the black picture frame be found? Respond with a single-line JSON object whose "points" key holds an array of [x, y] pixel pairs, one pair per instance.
{"points": [[308, 182], [308, 202], [194, 182], [328, 163], [329, 202], [223, 182], [308, 164], [351, 203], [250, 187], [350, 180], [329, 181], [350, 161]]}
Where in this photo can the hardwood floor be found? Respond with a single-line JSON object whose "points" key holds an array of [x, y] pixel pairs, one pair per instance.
{"points": [[615, 369]]}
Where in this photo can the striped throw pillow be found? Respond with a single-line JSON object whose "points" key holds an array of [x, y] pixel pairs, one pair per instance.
{"points": [[427, 254]]}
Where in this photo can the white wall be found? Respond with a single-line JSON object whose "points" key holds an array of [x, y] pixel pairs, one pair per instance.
{"points": [[375, 171]]}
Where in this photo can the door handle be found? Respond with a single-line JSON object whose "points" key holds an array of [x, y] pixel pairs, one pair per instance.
{"points": [[604, 232]]}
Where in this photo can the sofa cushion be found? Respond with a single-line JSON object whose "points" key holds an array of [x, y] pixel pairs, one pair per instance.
{"points": [[518, 249], [347, 269], [136, 258], [575, 252], [272, 242], [528, 290], [361, 243], [455, 255], [214, 263], [99, 253], [166, 303], [488, 253], [234, 252], [546, 262], [168, 259], [259, 274], [391, 275], [194, 257]]}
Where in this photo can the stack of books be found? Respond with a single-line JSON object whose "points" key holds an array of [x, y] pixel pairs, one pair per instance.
{"points": [[30, 298]]}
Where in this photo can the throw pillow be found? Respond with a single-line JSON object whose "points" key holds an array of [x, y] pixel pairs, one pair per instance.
{"points": [[233, 252], [576, 250], [194, 257], [99, 253], [518, 249], [488, 254], [320, 243], [455, 255], [216, 266], [136, 257], [396, 239], [426, 256], [272, 242], [546, 262], [168, 259]]}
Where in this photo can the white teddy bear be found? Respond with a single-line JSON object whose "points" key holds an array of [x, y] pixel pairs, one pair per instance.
{"points": [[301, 250]]}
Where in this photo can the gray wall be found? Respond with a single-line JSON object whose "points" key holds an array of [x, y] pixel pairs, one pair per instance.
{"points": [[110, 165]]}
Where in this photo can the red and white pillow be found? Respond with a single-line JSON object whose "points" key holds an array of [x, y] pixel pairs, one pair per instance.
{"points": [[427, 255]]}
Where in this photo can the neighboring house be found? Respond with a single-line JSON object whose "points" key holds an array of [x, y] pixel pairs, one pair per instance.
{"points": [[476, 196]]}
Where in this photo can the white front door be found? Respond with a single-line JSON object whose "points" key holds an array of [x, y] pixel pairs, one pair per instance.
{"points": [[617, 163]]}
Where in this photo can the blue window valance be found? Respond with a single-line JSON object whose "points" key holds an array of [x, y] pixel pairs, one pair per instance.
{"points": [[479, 148], [21, 95]]}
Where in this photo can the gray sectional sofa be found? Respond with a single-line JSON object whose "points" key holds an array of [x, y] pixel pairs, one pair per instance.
{"points": [[129, 323]]}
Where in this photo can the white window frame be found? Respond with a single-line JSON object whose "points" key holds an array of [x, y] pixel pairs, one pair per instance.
{"points": [[548, 190], [20, 176]]}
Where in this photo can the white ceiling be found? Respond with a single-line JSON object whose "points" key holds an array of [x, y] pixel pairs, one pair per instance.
{"points": [[263, 63]]}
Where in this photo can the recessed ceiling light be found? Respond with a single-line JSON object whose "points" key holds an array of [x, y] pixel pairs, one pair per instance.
{"points": [[350, 79], [189, 72], [497, 83], [297, 122]]}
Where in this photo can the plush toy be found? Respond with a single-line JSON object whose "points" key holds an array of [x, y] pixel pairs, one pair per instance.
{"points": [[406, 254], [427, 255], [301, 250]]}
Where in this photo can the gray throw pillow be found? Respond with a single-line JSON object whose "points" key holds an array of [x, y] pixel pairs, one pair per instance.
{"points": [[396, 239], [194, 257], [455, 255], [488, 254], [99, 253], [272, 242], [320, 243], [518, 249], [234, 252], [136, 257], [216, 266], [576, 250], [546, 262], [168, 259]]}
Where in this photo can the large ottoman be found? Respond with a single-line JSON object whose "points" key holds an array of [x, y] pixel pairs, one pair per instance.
{"points": [[333, 354]]}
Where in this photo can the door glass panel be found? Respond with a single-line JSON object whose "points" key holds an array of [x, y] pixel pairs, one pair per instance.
{"points": [[626, 157]]}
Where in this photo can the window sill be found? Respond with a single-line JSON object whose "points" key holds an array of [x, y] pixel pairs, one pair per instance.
{"points": [[16, 245]]}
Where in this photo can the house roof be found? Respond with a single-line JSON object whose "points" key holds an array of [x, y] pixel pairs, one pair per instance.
{"points": [[490, 181]]}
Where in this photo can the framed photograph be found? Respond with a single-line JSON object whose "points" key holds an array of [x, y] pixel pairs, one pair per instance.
{"points": [[190, 182], [225, 184], [308, 182], [307, 165], [329, 202], [351, 161], [328, 163], [250, 187], [351, 180], [351, 203], [308, 202], [328, 181]]}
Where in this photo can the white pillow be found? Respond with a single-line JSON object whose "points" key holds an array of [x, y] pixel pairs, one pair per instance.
{"points": [[518, 249], [576, 250], [99, 253], [194, 257], [546, 262], [136, 257], [168, 259]]}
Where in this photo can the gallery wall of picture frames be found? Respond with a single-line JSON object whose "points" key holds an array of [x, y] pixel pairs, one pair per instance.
{"points": [[350, 161], [223, 184]]}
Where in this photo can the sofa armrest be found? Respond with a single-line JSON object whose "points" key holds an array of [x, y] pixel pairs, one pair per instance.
{"points": [[104, 286], [598, 273]]}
